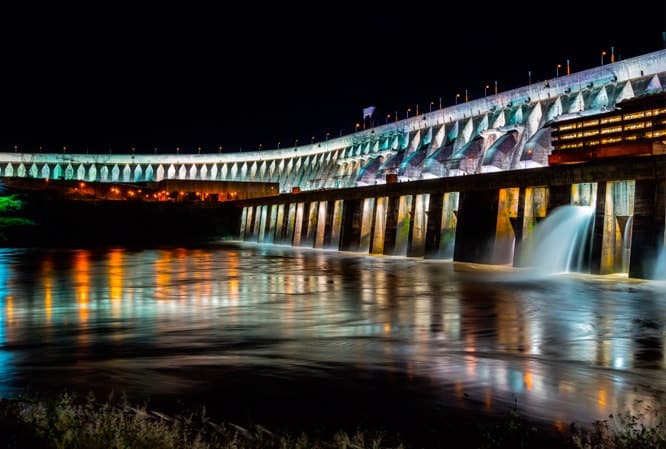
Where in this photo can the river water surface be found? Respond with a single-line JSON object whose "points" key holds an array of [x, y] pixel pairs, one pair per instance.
{"points": [[279, 334]]}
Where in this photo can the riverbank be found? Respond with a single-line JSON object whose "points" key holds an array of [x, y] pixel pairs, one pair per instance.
{"points": [[54, 217], [82, 423]]}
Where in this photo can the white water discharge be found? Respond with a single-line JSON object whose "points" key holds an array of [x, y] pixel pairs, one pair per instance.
{"points": [[558, 243]]}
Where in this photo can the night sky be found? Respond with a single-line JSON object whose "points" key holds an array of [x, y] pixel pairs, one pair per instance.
{"points": [[105, 76]]}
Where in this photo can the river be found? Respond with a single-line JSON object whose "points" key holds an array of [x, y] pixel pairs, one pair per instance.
{"points": [[277, 334]]}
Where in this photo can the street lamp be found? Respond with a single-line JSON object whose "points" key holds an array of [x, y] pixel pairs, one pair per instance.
{"points": [[557, 70], [568, 68], [440, 102], [388, 117], [466, 96], [408, 111], [603, 53], [485, 90], [431, 103]]}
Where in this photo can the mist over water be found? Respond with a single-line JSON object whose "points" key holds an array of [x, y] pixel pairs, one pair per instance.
{"points": [[280, 334], [558, 244]]}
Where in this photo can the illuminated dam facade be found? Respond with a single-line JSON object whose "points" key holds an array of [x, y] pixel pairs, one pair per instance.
{"points": [[470, 182], [505, 131]]}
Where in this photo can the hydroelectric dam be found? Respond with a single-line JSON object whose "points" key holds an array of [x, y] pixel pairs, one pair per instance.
{"points": [[470, 182]]}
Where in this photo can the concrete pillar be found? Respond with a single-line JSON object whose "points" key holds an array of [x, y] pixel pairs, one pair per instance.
{"points": [[280, 224], [243, 223], [417, 229], [532, 207], [449, 224], [379, 225], [351, 225], [367, 217], [476, 230], [390, 227], [256, 225], [321, 225], [272, 221], [309, 223], [263, 223], [249, 223], [434, 226], [290, 224], [505, 237], [403, 225], [298, 224], [597, 241], [647, 236], [617, 210], [336, 225]]}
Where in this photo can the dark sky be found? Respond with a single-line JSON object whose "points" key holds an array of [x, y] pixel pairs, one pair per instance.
{"points": [[97, 75]]}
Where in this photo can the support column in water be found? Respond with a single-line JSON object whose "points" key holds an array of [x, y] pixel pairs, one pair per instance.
{"points": [[417, 230], [333, 229], [597, 240], [403, 225], [379, 225], [505, 236], [647, 237], [321, 224], [434, 226], [390, 228], [476, 229], [350, 233], [449, 224]]}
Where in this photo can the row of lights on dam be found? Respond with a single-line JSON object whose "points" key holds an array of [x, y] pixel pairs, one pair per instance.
{"points": [[361, 125]]}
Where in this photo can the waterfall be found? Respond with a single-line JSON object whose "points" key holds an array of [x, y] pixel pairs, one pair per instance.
{"points": [[559, 243]]}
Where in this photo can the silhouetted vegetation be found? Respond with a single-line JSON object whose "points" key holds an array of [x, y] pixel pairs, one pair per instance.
{"points": [[67, 423]]}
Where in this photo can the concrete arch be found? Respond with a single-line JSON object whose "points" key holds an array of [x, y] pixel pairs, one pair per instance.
{"points": [[92, 173]]}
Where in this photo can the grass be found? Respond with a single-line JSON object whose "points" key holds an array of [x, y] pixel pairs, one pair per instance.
{"points": [[69, 423]]}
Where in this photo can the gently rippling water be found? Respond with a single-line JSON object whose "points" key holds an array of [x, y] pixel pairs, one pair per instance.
{"points": [[273, 334]]}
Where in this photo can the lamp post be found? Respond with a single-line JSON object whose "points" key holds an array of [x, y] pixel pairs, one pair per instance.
{"points": [[603, 53], [485, 90], [466, 96], [431, 103], [557, 70], [388, 117], [408, 111], [568, 68], [495, 87], [612, 54], [440, 102]]}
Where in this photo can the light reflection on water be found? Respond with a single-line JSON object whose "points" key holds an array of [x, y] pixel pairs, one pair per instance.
{"points": [[239, 324]]}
